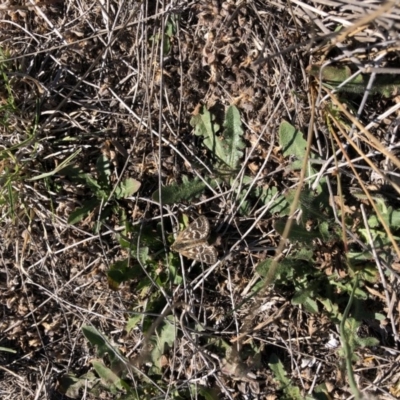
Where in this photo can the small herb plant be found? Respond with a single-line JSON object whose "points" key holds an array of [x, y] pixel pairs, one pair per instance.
{"points": [[103, 192], [226, 150]]}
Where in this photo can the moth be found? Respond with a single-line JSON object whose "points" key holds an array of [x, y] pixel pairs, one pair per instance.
{"points": [[192, 242]]}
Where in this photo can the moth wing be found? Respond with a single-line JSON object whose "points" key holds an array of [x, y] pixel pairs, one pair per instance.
{"points": [[201, 252], [202, 225], [199, 229]]}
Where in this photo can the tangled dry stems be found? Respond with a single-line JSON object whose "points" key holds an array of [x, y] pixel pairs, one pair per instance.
{"points": [[104, 79]]}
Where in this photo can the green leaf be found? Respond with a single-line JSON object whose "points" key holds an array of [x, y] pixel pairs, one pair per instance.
{"points": [[312, 206], [359, 257], [204, 125], [166, 337], [321, 392], [297, 232], [104, 347], [120, 272], [284, 271], [103, 166], [245, 206], [290, 392], [367, 342], [291, 140], [333, 76], [97, 339], [116, 360], [347, 287], [332, 309], [370, 273], [232, 138], [70, 384], [109, 379], [170, 26], [207, 392], [143, 287], [133, 322], [353, 341], [177, 193], [143, 254], [279, 204], [59, 168], [81, 212], [276, 367], [324, 230], [77, 175], [394, 219], [303, 254], [127, 188], [149, 237], [175, 276], [169, 32], [226, 147], [304, 297]]}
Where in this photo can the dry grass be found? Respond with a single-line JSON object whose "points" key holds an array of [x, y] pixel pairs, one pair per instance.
{"points": [[118, 82]]}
